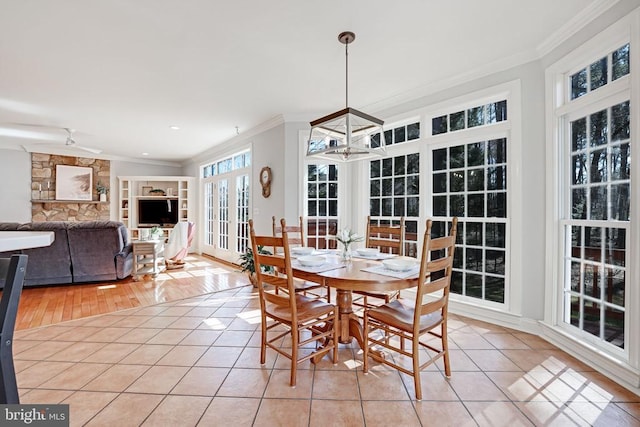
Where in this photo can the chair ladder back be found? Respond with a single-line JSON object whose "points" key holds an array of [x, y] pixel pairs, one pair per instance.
{"points": [[428, 266], [295, 232], [278, 268], [387, 238]]}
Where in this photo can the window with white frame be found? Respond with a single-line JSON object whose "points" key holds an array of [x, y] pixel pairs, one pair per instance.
{"points": [[470, 182], [394, 192], [595, 195], [321, 182]]}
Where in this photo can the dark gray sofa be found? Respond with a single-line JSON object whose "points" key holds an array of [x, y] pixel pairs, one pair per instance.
{"points": [[86, 251]]}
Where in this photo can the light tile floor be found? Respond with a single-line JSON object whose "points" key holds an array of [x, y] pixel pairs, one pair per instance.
{"points": [[196, 362]]}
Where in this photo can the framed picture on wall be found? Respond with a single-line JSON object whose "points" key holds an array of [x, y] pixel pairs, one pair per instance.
{"points": [[73, 182]]}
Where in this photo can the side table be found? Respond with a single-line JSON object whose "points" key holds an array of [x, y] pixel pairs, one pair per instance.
{"points": [[147, 256]]}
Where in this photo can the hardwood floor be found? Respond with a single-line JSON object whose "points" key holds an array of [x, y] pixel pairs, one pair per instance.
{"points": [[47, 305]]}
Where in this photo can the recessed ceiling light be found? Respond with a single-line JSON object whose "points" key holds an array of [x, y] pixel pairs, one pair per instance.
{"points": [[145, 154], [174, 127]]}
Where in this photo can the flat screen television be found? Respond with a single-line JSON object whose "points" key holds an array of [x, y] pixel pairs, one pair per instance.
{"points": [[157, 212]]}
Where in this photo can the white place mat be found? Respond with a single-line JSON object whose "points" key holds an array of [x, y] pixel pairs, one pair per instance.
{"points": [[375, 257], [315, 252], [327, 266], [381, 269]]}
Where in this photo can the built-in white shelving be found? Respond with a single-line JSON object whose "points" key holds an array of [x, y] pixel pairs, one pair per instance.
{"points": [[133, 188]]}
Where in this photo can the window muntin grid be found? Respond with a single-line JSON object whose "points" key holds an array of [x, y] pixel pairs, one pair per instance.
{"points": [[600, 165], [472, 117], [242, 213], [223, 214], [397, 135], [599, 73], [394, 190], [596, 232], [209, 188], [322, 205], [470, 182], [226, 165]]}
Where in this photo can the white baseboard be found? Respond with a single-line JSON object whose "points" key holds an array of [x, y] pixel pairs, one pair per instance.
{"points": [[618, 371], [623, 374]]}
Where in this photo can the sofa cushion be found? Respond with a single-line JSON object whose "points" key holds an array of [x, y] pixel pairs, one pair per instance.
{"points": [[93, 247], [49, 264], [9, 226]]}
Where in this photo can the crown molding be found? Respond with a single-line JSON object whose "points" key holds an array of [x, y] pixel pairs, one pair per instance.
{"points": [[396, 101], [576, 23], [87, 155], [237, 139]]}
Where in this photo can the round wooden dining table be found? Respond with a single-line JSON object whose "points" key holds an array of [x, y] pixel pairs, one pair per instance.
{"points": [[350, 278]]}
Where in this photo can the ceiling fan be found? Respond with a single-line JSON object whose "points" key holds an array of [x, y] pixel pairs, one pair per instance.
{"points": [[70, 141]]}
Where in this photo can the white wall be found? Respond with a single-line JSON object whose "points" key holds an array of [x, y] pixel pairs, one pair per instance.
{"points": [[269, 150], [15, 191]]}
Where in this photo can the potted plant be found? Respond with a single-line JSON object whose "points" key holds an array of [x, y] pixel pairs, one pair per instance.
{"points": [[156, 232], [102, 191], [248, 264]]}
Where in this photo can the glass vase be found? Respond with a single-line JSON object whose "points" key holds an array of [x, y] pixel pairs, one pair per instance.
{"points": [[346, 253]]}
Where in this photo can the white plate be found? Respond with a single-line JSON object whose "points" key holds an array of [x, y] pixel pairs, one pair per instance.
{"points": [[400, 263], [301, 250], [368, 252], [311, 260]]}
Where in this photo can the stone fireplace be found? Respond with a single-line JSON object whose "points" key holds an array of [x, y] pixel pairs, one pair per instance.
{"points": [[44, 207]]}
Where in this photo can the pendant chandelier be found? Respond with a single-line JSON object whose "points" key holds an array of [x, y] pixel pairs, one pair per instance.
{"points": [[346, 135]]}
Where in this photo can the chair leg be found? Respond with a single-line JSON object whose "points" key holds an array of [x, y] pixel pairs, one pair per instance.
{"points": [[416, 366], [263, 341], [387, 300], [335, 336], [365, 342], [445, 349], [294, 354]]}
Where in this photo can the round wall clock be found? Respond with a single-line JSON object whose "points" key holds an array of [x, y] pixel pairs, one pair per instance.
{"points": [[265, 180]]}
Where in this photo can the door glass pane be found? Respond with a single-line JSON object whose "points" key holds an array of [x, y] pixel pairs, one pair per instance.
{"points": [[322, 202], [223, 214], [242, 217]]}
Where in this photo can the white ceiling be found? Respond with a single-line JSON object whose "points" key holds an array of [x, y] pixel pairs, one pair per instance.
{"points": [[121, 72]]}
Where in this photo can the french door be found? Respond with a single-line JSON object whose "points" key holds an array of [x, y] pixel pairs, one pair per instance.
{"points": [[226, 213]]}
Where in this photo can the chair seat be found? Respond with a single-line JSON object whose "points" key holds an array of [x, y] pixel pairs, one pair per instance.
{"points": [[399, 314], [308, 308]]}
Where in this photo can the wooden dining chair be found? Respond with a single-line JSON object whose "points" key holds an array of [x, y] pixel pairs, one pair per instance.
{"points": [[12, 271], [295, 232], [296, 236], [388, 239], [306, 320], [409, 319]]}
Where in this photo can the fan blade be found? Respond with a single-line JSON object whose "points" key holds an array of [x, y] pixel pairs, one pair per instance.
{"points": [[89, 149]]}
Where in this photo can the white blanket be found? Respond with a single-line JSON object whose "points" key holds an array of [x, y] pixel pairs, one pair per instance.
{"points": [[178, 240]]}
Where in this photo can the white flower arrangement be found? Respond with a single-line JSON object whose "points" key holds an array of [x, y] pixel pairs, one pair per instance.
{"points": [[346, 236]]}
